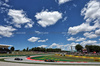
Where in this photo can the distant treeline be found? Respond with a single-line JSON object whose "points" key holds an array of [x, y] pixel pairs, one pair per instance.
{"points": [[90, 48], [41, 49]]}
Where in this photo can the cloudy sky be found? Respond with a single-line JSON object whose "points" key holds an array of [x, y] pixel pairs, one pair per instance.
{"points": [[49, 23]]}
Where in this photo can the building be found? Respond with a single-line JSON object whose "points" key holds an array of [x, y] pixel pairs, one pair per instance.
{"points": [[4, 48]]}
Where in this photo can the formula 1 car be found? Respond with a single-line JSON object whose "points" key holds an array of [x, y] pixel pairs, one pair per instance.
{"points": [[50, 60], [18, 59]]}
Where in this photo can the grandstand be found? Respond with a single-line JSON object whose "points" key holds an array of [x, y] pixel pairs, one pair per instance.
{"points": [[4, 48]]}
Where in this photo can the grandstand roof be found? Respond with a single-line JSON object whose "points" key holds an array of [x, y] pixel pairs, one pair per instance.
{"points": [[4, 46]]}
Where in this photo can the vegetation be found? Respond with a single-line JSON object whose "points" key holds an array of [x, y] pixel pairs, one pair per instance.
{"points": [[92, 48], [12, 48], [78, 47], [63, 58], [41, 49], [27, 49], [24, 50]]}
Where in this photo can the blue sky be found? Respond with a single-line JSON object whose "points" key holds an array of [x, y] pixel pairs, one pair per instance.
{"points": [[49, 23]]}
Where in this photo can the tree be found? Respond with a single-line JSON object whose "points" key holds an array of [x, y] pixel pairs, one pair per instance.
{"points": [[78, 47], [41, 49], [27, 49], [12, 48], [92, 48], [24, 50]]}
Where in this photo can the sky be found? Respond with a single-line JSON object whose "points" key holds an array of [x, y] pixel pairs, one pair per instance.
{"points": [[49, 23]]}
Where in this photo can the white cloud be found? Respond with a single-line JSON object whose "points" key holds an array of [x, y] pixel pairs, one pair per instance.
{"points": [[65, 18], [81, 28], [6, 0], [63, 47], [38, 32], [63, 1], [90, 35], [44, 46], [54, 45], [33, 39], [4, 3], [46, 18], [80, 39], [77, 39], [88, 42], [91, 13], [4, 6], [74, 5], [43, 40], [19, 18], [68, 46], [6, 31], [97, 32], [29, 25], [71, 39]]}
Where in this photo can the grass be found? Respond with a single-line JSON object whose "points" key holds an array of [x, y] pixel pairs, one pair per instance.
{"points": [[63, 58]]}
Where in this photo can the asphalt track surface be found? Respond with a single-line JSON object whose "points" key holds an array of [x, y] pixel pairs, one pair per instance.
{"points": [[25, 60], [20, 64]]}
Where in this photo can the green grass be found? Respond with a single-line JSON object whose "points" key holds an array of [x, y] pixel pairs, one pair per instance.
{"points": [[63, 58]]}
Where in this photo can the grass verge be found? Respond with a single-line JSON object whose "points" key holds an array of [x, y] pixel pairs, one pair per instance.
{"points": [[63, 58]]}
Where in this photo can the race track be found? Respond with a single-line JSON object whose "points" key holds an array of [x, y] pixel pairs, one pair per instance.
{"points": [[21, 64], [25, 60]]}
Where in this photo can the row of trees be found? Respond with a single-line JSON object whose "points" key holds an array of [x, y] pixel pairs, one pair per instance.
{"points": [[90, 48], [41, 49]]}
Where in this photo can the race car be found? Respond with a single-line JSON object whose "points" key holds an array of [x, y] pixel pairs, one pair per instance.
{"points": [[49, 60], [18, 59]]}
